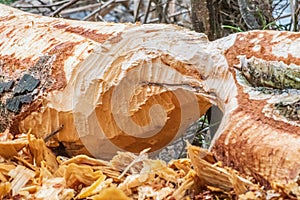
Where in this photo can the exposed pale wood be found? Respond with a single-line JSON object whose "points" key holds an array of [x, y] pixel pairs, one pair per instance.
{"points": [[104, 83]]}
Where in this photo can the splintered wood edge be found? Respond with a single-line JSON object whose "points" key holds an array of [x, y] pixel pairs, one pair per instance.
{"points": [[246, 132]]}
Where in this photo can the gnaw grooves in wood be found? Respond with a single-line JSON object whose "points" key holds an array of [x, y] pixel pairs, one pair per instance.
{"points": [[100, 85]]}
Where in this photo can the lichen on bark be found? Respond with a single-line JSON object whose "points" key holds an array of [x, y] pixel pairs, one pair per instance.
{"points": [[271, 74], [290, 110]]}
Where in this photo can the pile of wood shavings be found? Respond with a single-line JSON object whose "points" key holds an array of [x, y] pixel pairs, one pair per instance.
{"points": [[29, 170]]}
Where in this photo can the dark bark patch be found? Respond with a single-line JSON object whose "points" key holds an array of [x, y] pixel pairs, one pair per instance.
{"points": [[15, 103], [6, 86], [27, 84], [22, 92]]}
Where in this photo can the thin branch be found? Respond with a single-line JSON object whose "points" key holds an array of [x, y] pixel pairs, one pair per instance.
{"points": [[294, 13], [79, 9], [179, 13], [165, 11], [170, 16], [101, 19], [137, 5], [70, 3], [98, 10], [41, 6], [147, 11], [48, 137], [282, 9]]}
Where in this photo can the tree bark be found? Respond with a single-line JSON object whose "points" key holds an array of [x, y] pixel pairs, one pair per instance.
{"points": [[248, 17], [205, 18], [130, 87], [200, 16]]}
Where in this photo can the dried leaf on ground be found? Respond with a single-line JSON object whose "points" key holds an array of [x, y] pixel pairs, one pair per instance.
{"points": [[215, 176], [36, 173], [111, 194], [5, 188], [41, 153], [10, 148], [76, 175]]}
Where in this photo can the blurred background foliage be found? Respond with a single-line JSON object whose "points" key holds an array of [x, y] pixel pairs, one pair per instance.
{"points": [[7, 1], [217, 18]]}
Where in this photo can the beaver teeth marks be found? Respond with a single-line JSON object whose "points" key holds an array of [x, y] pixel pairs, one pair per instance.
{"points": [[271, 74]]}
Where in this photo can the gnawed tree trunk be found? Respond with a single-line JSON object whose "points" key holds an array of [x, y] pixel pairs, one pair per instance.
{"points": [[130, 87]]}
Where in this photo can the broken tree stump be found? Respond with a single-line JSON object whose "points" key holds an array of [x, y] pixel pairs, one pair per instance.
{"points": [[130, 87]]}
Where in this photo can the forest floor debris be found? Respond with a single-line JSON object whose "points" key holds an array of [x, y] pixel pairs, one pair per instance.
{"points": [[36, 173]]}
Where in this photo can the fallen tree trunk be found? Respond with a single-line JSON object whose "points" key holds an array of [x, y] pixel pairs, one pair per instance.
{"points": [[130, 87]]}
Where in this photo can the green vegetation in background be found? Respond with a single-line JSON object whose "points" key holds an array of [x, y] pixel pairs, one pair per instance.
{"points": [[7, 1]]}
